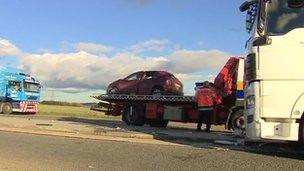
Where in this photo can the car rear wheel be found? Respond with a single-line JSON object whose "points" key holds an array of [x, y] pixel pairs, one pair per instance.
{"points": [[7, 108], [133, 114], [157, 91]]}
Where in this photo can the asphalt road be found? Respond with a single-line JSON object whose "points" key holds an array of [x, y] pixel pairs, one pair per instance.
{"points": [[36, 152]]}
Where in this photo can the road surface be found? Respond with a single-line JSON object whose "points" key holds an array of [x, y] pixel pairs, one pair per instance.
{"points": [[37, 152]]}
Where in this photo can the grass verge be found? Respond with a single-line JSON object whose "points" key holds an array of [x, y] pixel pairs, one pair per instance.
{"points": [[71, 111]]}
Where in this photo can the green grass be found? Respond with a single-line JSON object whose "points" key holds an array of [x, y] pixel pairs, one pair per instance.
{"points": [[71, 111]]}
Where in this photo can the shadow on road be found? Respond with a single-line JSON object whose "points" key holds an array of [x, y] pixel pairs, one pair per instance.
{"points": [[173, 134], [121, 126]]}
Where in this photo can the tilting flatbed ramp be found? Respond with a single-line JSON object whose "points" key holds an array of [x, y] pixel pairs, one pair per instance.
{"points": [[162, 98]]}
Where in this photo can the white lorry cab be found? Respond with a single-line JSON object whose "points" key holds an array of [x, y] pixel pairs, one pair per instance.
{"points": [[274, 70]]}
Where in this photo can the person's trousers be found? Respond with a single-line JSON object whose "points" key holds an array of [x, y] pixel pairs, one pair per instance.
{"points": [[204, 116]]}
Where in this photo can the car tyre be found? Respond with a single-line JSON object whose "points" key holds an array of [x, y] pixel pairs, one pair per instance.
{"points": [[7, 108]]}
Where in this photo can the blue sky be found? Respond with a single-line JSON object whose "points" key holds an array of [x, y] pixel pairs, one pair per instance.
{"points": [[145, 31]]}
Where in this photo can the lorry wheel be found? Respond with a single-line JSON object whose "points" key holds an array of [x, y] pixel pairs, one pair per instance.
{"points": [[159, 123], [237, 121], [7, 108], [133, 114]]}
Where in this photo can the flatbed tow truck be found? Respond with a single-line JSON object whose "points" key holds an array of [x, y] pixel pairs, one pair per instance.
{"points": [[158, 110]]}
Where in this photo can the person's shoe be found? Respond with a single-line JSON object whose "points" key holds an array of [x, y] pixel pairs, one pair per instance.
{"points": [[198, 130], [207, 130]]}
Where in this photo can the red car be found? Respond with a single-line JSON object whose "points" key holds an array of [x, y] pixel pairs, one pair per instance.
{"points": [[147, 83]]}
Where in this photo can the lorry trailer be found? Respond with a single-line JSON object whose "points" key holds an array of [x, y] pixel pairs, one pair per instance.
{"points": [[158, 110]]}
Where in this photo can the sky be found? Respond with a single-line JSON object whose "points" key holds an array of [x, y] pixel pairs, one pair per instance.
{"points": [[77, 47]]}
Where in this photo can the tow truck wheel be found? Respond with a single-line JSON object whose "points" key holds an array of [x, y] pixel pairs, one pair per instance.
{"points": [[133, 114], [7, 108], [237, 121]]}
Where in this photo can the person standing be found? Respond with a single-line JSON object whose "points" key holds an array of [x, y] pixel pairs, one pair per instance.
{"points": [[207, 99]]}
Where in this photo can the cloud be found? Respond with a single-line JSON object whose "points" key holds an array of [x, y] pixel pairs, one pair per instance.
{"points": [[66, 90], [8, 49], [190, 61], [150, 45], [92, 47], [189, 81]]}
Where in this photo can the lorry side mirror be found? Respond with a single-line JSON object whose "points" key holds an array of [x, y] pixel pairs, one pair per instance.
{"points": [[251, 17], [245, 6]]}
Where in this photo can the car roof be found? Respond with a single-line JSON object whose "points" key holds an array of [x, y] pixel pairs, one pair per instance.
{"points": [[160, 72]]}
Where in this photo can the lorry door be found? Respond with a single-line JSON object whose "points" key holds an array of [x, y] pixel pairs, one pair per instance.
{"points": [[129, 84], [147, 82], [14, 90]]}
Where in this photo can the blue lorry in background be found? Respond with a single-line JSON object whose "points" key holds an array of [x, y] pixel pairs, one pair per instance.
{"points": [[19, 92]]}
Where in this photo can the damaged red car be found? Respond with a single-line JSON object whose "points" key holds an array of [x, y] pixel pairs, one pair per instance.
{"points": [[147, 83]]}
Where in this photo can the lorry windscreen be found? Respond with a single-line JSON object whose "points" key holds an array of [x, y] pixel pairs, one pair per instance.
{"points": [[281, 18], [14, 85], [31, 87]]}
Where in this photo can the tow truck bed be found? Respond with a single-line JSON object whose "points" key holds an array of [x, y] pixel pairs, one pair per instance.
{"points": [[164, 98]]}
